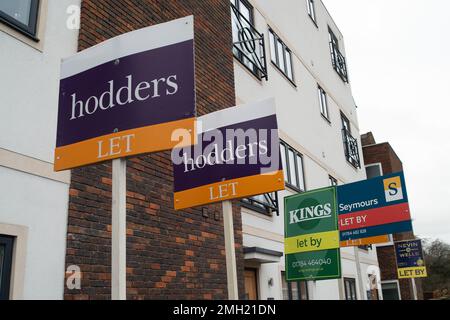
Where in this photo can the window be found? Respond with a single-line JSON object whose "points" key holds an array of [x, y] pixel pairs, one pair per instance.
{"points": [[297, 290], [374, 170], [323, 102], [333, 181], [311, 10], [292, 162], [390, 290], [350, 143], [6, 247], [345, 123], [337, 59], [350, 289], [281, 55], [248, 43], [21, 15]]}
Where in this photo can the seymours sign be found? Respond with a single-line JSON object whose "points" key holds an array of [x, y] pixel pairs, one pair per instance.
{"points": [[237, 156], [410, 261], [127, 95], [374, 207], [312, 236]]}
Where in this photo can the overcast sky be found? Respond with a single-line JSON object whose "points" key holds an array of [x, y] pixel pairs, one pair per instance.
{"points": [[398, 54]]}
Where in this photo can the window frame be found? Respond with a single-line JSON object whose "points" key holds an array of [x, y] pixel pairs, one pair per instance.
{"points": [[353, 292], [5, 281], [397, 283], [323, 103], [274, 46], [333, 182], [311, 9], [288, 168], [299, 288], [346, 135], [29, 30], [345, 122], [338, 60], [376, 164], [237, 4]]}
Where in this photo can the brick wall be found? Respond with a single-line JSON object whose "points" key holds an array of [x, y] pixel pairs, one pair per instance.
{"points": [[170, 255], [383, 153]]}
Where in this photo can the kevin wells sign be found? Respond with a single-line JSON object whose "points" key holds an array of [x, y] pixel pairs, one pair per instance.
{"points": [[127, 95], [410, 261], [374, 207], [237, 155], [311, 236]]}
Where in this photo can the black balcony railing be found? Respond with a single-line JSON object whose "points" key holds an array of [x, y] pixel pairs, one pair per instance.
{"points": [[248, 44], [339, 63], [266, 203], [351, 149]]}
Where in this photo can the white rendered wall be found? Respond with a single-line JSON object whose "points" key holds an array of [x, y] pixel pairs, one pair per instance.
{"points": [[302, 126], [29, 85], [41, 205], [31, 195]]}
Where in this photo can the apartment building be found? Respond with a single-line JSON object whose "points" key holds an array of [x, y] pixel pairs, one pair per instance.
{"points": [[293, 51], [246, 50], [34, 36], [381, 159]]}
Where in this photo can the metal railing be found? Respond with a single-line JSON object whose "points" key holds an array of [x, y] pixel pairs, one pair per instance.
{"points": [[248, 44], [351, 148], [339, 63], [266, 204]]}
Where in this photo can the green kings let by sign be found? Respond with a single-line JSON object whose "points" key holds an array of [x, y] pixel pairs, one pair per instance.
{"points": [[312, 236]]}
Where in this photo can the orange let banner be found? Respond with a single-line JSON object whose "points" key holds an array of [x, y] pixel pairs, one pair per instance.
{"points": [[365, 241], [230, 189], [124, 144]]}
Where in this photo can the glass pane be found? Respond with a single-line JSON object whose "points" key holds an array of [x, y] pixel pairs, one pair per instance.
{"points": [[280, 55], [273, 52], [390, 291], [321, 100], [2, 259], [373, 171], [284, 287], [345, 124], [288, 64], [301, 178], [313, 11], [295, 293], [347, 290], [18, 9], [354, 291], [292, 178], [283, 161], [304, 290], [245, 11]]}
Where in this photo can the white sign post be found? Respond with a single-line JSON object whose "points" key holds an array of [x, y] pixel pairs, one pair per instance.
{"points": [[230, 254], [119, 230]]}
